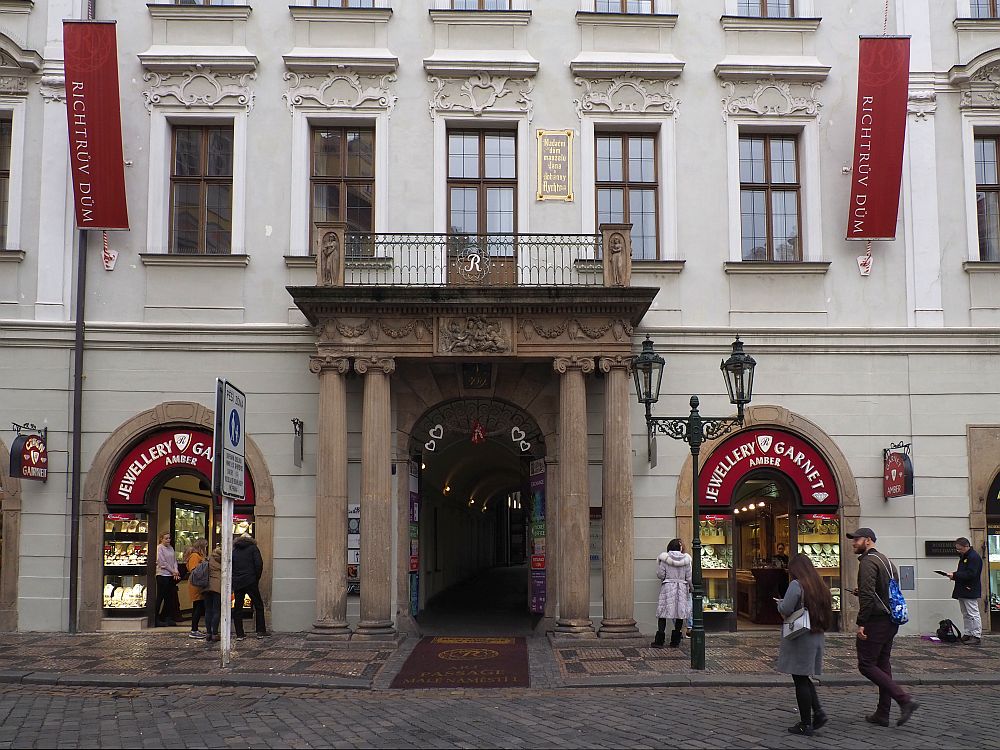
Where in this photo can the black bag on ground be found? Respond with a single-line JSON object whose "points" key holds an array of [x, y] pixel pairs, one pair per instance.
{"points": [[948, 632]]}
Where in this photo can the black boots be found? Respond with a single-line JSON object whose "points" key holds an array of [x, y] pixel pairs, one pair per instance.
{"points": [[658, 639], [675, 638]]}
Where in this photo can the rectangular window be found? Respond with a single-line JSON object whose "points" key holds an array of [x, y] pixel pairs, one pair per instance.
{"points": [[342, 178], [766, 8], [627, 188], [482, 182], [988, 198], [983, 8], [201, 190], [770, 198], [207, 2], [624, 6], [344, 3], [480, 5], [6, 128]]}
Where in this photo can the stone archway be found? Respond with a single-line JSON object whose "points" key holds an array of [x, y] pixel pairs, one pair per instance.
{"points": [[10, 508], [524, 386], [165, 415], [850, 500]]}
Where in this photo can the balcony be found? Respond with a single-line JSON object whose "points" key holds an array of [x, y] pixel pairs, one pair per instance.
{"points": [[496, 260]]}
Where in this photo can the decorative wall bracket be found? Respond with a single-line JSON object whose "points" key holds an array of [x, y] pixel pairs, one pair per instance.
{"points": [[200, 86], [626, 94], [340, 90], [482, 93], [769, 97]]}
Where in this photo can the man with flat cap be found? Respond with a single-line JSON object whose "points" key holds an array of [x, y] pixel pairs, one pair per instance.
{"points": [[876, 629]]}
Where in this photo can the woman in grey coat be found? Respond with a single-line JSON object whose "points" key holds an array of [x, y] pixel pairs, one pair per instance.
{"points": [[802, 657], [673, 568]]}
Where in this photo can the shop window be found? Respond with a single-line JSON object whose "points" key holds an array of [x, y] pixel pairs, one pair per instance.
{"points": [[770, 198], [482, 184], [983, 8], [623, 6], [201, 190], [716, 532], [993, 552], [627, 187], [988, 198], [342, 179], [766, 8], [126, 558]]}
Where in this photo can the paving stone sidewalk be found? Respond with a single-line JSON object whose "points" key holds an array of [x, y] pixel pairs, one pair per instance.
{"points": [[294, 660]]}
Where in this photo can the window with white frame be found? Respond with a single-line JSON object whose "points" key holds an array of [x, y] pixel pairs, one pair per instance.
{"points": [[481, 5], [6, 131], [201, 189], [344, 3], [208, 2], [770, 198], [766, 8], [627, 187], [983, 8], [988, 197], [623, 6], [482, 182], [342, 178]]}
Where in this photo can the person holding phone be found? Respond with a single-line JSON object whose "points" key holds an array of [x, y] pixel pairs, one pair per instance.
{"points": [[968, 590]]}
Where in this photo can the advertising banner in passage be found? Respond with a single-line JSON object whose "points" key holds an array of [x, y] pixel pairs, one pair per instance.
{"points": [[880, 130], [93, 112]]}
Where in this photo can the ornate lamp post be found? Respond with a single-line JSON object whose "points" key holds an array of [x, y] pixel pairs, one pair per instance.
{"points": [[694, 429]]}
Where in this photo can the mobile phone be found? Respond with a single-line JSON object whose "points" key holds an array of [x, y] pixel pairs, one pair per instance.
{"points": [[941, 573]]}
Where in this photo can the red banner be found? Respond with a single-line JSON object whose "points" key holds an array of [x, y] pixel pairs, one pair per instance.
{"points": [[774, 450], [880, 130], [95, 127]]}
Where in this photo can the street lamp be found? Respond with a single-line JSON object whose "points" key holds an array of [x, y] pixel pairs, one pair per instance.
{"points": [[694, 429]]}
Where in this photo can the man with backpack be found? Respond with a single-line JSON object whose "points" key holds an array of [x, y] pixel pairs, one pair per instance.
{"points": [[969, 589], [877, 628]]}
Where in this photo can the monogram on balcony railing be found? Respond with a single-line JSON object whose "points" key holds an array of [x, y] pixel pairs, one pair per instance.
{"points": [[473, 260]]}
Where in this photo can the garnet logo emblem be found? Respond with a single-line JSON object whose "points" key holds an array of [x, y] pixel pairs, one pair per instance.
{"points": [[182, 440], [764, 441]]}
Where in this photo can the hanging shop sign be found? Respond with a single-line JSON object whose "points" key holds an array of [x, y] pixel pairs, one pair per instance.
{"points": [[897, 477], [764, 448], [187, 449], [880, 130], [555, 165], [29, 458], [93, 112]]}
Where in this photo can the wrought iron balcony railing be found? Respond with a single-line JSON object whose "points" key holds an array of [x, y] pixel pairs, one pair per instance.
{"points": [[502, 260]]}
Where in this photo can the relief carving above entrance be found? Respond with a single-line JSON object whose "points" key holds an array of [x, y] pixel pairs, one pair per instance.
{"points": [[475, 335]]}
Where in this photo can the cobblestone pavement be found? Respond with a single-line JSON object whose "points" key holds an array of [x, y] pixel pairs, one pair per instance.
{"points": [[727, 717]]}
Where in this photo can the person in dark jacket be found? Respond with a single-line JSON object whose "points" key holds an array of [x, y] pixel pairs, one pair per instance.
{"points": [[248, 567], [969, 589], [876, 630]]}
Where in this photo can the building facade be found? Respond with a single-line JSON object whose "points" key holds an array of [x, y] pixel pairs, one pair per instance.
{"points": [[504, 198]]}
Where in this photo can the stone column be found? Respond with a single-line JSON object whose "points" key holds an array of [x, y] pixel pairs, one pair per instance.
{"points": [[331, 499], [619, 525], [574, 504], [376, 501]]}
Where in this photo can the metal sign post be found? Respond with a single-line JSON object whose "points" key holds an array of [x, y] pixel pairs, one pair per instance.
{"points": [[228, 472]]}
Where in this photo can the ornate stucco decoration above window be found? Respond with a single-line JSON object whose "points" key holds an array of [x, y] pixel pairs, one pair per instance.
{"points": [[18, 66], [482, 93], [200, 86], [574, 329], [340, 90], [626, 94], [770, 97], [982, 89]]}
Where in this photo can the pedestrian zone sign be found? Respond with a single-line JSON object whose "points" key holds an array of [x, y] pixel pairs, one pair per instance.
{"points": [[230, 440]]}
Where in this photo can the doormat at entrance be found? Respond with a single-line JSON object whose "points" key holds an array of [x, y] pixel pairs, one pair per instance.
{"points": [[451, 662]]}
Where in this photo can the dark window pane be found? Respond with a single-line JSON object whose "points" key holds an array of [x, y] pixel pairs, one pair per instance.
{"points": [[609, 159], [641, 161], [642, 214], [610, 206], [785, 223], [220, 152], [326, 202], [326, 153], [752, 160], [360, 153], [753, 222], [463, 155], [187, 152], [500, 156], [988, 210], [360, 201], [464, 210], [783, 168], [6, 127]]}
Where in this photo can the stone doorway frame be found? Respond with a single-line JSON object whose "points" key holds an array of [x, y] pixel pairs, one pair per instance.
{"points": [[166, 415], [417, 393], [10, 507], [849, 511], [983, 444]]}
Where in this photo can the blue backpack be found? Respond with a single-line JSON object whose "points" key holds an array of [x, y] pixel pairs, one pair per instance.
{"points": [[897, 609]]}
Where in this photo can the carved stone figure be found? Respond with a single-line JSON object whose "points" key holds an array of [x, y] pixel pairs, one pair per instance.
{"points": [[617, 259], [328, 259], [474, 335]]}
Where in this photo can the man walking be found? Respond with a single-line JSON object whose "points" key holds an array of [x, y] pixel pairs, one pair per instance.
{"points": [[876, 629], [969, 589]]}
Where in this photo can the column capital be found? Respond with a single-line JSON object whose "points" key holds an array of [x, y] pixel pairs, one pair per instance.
{"points": [[606, 364], [562, 365], [320, 363], [386, 364]]}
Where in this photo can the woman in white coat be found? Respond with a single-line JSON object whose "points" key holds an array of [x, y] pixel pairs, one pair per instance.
{"points": [[674, 571]]}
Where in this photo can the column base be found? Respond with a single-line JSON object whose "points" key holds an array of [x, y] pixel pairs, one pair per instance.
{"points": [[375, 630], [329, 631], [618, 629], [574, 629]]}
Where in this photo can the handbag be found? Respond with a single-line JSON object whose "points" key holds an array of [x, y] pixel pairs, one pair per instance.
{"points": [[796, 624]]}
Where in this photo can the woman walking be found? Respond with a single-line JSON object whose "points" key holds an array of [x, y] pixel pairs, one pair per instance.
{"points": [[802, 657], [674, 571], [212, 596], [167, 576], [194, 555]]}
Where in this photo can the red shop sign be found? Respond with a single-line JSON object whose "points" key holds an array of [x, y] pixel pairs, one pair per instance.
{"points": [[168, 450], [764, 448], [897, 479], [538, 562], [29, 458]]}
